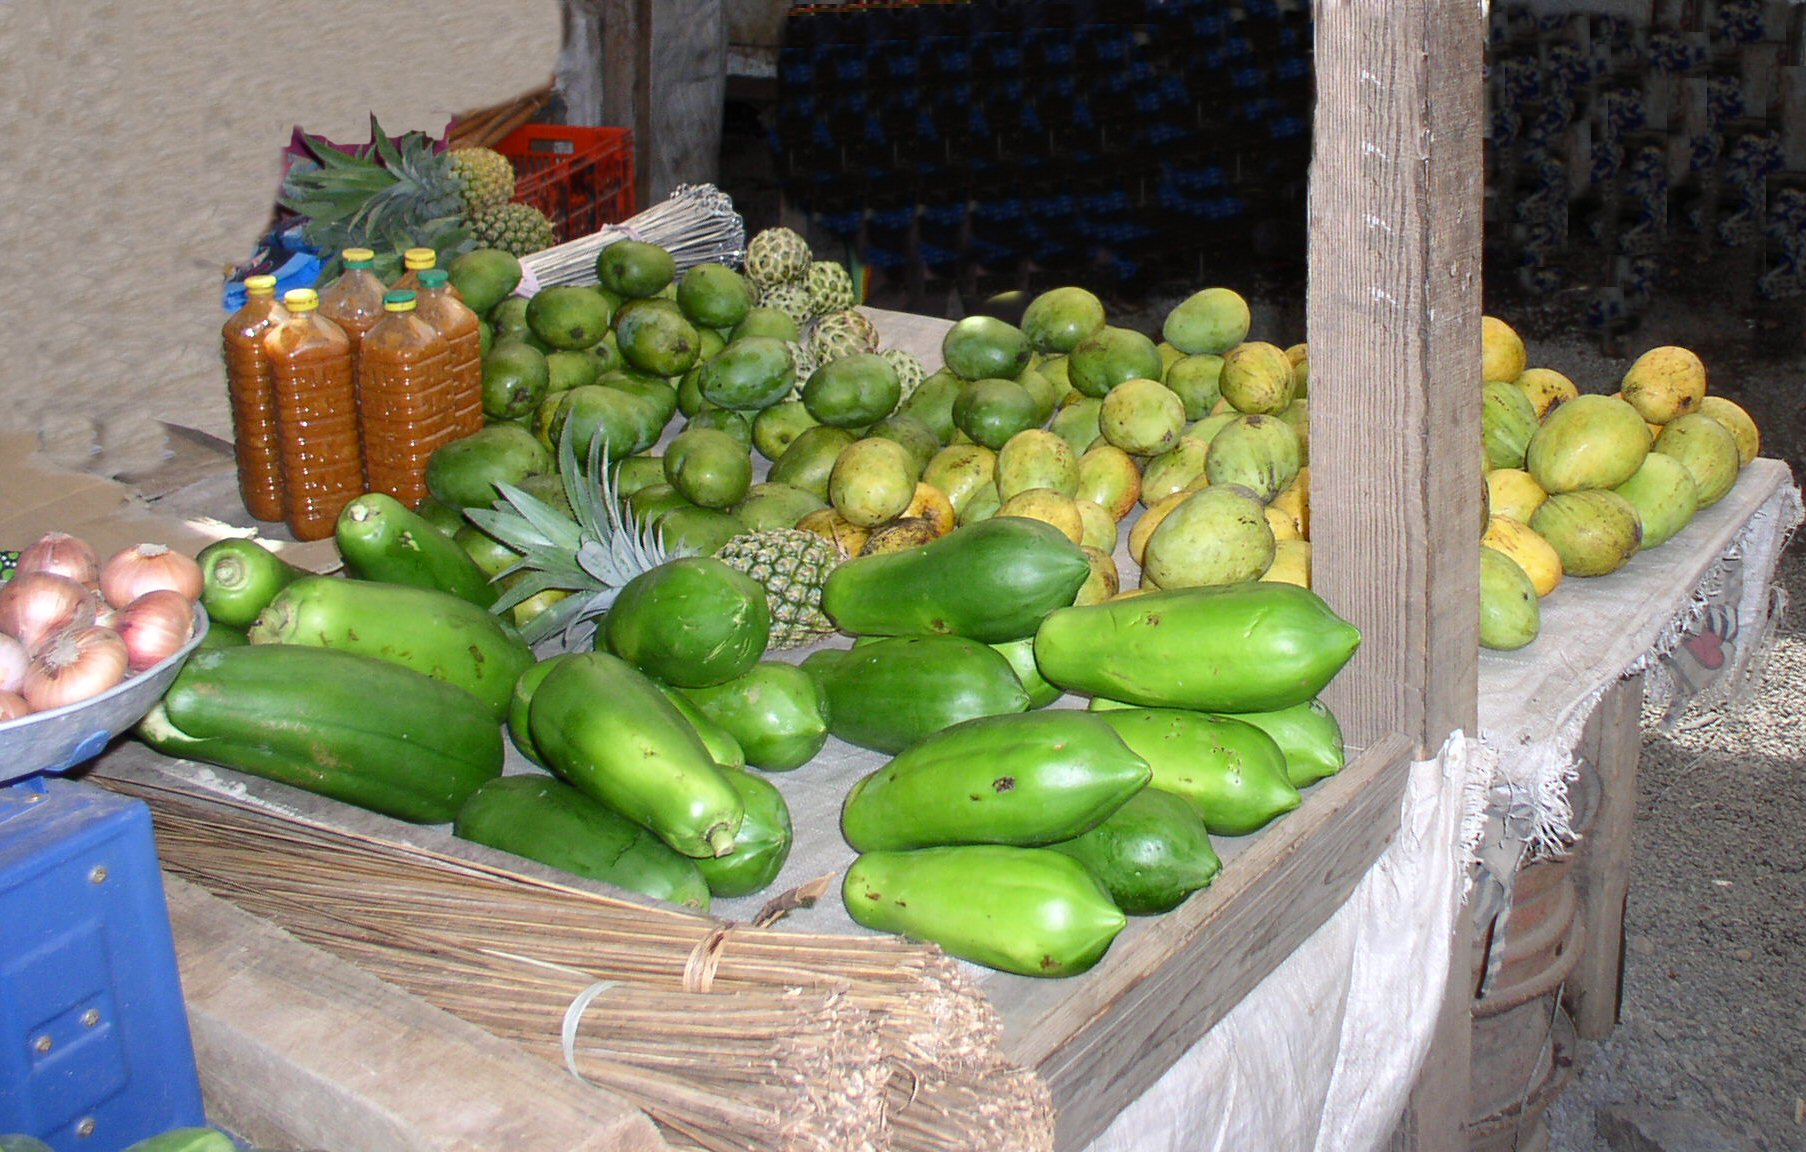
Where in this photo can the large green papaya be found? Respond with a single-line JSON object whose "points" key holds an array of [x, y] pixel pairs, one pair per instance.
{"points": [[991, 581], [1150, 854], [1031, 911], [895, 691], [1026, 779], [1233, 773], [1250, 647]]}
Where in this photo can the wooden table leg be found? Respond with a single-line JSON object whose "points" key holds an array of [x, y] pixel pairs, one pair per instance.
{"points": [[1595, 988]]}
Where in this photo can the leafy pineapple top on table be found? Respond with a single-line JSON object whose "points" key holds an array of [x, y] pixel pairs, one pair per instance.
{"points": [[406, 193], [593, 552]]}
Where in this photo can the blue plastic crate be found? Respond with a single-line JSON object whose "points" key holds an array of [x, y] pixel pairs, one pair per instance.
{"points": [[94, 1044]]}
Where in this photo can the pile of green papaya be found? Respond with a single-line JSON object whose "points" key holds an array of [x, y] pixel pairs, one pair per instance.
{"points": [[1021, 836], [392, 687]]}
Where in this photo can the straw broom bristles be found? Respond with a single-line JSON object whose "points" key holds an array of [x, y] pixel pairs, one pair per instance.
{"points": [[779, 1040], [696, 224]]}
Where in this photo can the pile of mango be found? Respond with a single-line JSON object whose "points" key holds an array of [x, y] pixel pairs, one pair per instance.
{"points": [[1579, 483]]}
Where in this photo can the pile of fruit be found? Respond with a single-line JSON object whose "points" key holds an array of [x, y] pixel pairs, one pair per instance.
{"points": [[682, 477], [1578, 484], [73, 625], [407, 192], [614, 610]]}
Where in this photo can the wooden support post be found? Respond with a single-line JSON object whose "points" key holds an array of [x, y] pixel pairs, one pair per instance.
{"points": [[664, 75], [1394, 331], [1595, 989], [1793, 118]]}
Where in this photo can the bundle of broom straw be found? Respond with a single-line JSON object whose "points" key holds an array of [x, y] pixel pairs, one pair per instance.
{"points": [[696, 224], [729, 1036]]}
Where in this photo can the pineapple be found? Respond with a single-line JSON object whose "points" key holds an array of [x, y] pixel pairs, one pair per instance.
{"points": [[520, 229], [594, 554], [484, 178], [402, 195], [842, 333], [792, 565], [830, 287], [776, 256]]}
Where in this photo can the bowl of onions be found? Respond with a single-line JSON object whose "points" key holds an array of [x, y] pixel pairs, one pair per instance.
{"points": [[88, 646]]}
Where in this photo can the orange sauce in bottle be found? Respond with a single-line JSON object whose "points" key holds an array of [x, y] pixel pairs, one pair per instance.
{"points": [[354, 301], [415, 261], [405, 399], [316, 415], [440, 307], [251, 386]]}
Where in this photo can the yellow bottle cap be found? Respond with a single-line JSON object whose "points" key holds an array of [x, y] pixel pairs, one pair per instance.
{"points": [[419, 257], [260, 285], [358, 256], [301, 299], [400, 300]]}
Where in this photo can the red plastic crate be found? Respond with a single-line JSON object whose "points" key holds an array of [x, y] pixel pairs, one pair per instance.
{"points": [[582, 178]]}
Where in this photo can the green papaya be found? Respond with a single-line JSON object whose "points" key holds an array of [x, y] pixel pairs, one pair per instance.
{"points": [[1308, 735], [1231, 772], [774, 710], [723, 749], [992, 581], [1249, 647], [691, 622], [608, 730], [760, 846], [893, 692], [1027, 779], [1150, 854], [546, 820], [1030, 911]]}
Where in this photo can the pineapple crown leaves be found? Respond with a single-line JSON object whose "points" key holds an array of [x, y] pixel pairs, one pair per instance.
{"points": [[395, 192], [591, 556]]}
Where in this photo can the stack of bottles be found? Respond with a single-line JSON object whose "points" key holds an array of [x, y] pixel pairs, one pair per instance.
{"points": [[1064, 133], [348, 390]]}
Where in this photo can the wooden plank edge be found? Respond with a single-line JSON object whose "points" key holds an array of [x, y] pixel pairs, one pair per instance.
{"points": [[298, 1049], [1100, 1043]]}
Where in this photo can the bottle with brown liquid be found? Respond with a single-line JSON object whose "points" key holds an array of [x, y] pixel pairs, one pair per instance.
{"points": [[354, 301], [440, 307], [406, 403], [316, 415], [252, 390], [415, 261]]}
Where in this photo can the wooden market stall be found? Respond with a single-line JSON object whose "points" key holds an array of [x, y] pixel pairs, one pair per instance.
{"points": [[302, 1047]]}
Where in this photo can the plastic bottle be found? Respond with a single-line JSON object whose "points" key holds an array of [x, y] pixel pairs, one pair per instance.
{"points": [[415, 261], [252, 389], [440, 307], [405, 399], [354, 301], [316, 415]]}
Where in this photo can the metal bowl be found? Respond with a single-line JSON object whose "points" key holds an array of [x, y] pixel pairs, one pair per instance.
{"points": [[62, 738]]}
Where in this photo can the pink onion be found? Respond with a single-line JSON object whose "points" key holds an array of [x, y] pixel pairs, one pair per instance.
{"points": [[13, 706], [154, 627], [35, 605], [64, 555], [14, 660], [76, 664], [131, 572]]}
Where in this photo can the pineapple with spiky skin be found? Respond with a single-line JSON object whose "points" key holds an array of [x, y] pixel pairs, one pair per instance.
{"points": [[830, 287], [792, 565], [484, 178], [592, 554], [843, 333], [519, 229], [777, 256], [910, 371]]}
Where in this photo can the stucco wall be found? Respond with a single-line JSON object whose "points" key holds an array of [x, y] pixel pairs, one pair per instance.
{"points": [[139, 157]]}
